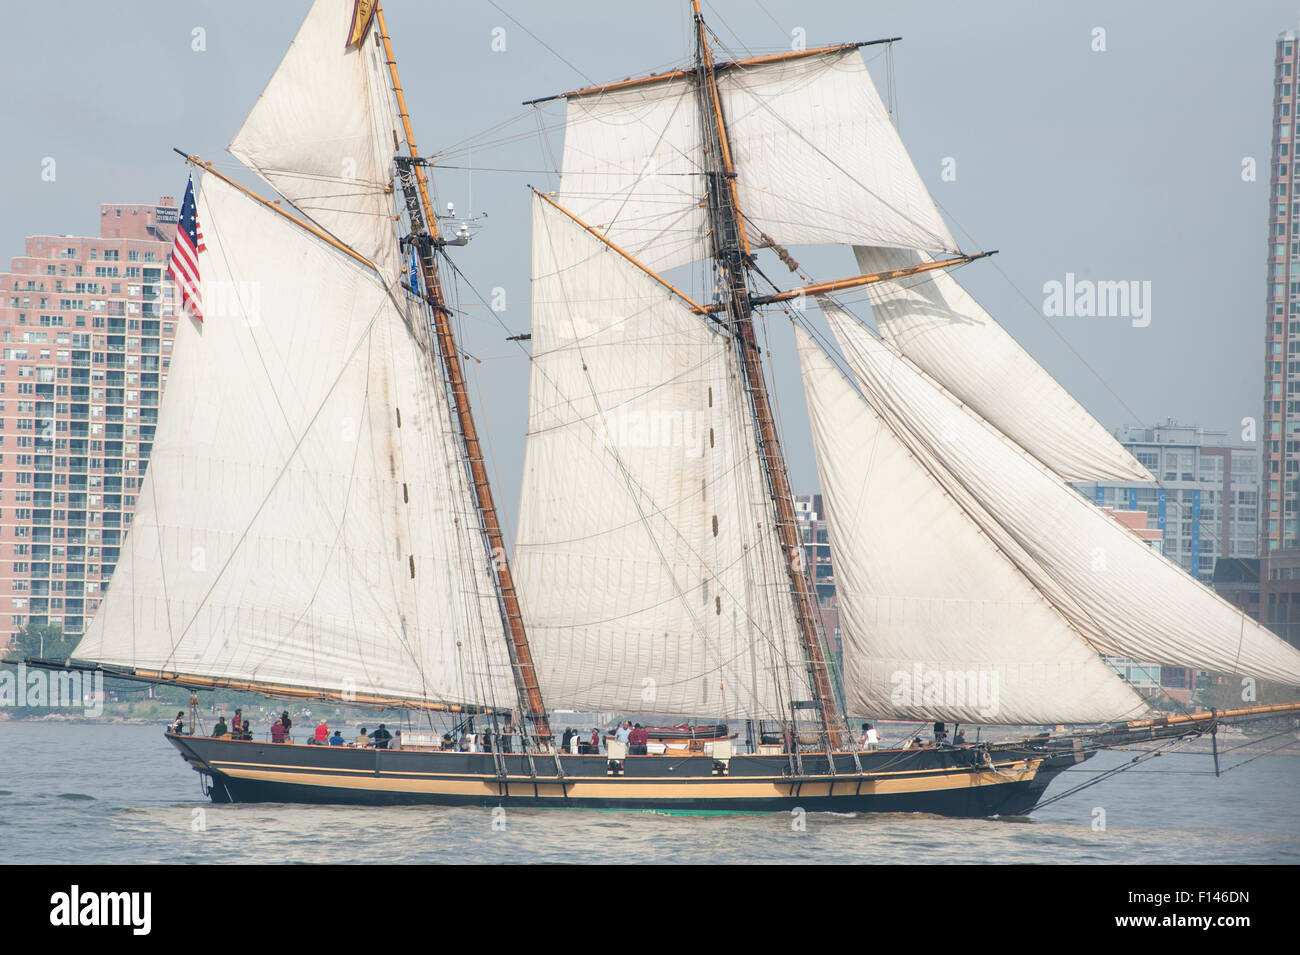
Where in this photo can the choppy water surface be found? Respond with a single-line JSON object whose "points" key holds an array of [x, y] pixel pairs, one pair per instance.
{"points": [[97, 794]]}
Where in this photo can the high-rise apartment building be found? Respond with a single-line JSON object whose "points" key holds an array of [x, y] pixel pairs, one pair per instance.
{"points": [[815, 535], [1280, 512], [1207, 503], [86, 332]]}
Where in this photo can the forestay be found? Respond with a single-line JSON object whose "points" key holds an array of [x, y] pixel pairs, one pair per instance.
{"points": [[937, 324], [304, 520], [648, 569], [936, 622]]}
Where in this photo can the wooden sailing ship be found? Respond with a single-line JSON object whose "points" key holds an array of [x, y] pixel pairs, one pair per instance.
{"points": [[317, 521]]}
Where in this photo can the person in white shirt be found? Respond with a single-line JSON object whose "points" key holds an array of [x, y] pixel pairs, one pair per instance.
{"points": [[573, 743], [624, 732], [870, 738]]}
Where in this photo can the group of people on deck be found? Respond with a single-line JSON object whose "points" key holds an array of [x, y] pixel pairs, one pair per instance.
{"points": [[242, 729], [870, 739]]}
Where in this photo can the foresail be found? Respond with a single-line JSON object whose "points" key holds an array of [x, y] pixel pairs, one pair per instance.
{"points": [[937, 324], [323, 133], [1127, 598], [649, 573], [936, 622], [818, 160], [304, 519], [632, 168]]}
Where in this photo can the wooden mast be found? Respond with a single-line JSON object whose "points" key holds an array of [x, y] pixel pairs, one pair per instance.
{"points": [[424, 222], [731, 248]]}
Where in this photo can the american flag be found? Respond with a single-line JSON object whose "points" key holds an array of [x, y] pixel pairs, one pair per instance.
{"points": [[183, 267]]}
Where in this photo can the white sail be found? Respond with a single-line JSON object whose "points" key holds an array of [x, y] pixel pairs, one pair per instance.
{"points": [[937, 324], [1128, 599], [304, 520], [649, 573], [818, 160], [323, 133], [631, 168], [936, 622]]}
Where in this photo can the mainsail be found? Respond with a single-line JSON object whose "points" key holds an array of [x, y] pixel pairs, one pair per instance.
{"points": [[936, 622], [1124, 597], [324, 131], [817, 161], [304, 519], [649, 572], [936, 323]]}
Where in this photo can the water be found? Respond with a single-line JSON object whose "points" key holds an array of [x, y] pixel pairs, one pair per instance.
{"points": [[108, 793]]}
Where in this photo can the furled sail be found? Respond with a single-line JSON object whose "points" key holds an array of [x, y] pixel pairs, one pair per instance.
{"points": [[936, 622], [819, 161], [648, 570], [1128, 599], [937, 324], [304, 520], [323, 133]]}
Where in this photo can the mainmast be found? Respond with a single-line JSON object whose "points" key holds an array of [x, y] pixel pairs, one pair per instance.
{"points": [[731, 250], [424, 226]]}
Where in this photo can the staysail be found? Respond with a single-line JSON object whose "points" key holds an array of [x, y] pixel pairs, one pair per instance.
{"points": [[936, 622], [304, 520], [324, 132], [1126, 598], [937, 324], [817, 161], [649, 572]]}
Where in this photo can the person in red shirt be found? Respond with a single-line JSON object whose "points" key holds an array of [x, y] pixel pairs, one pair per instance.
{"points": [[322, 734], [277, 731], [637, 740]]}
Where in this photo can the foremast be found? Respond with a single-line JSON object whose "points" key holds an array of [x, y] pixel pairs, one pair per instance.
{"points": [[424, 230], [730, 248]]}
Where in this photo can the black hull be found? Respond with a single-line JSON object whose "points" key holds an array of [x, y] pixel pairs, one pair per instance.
{"points": [[950, 782]]}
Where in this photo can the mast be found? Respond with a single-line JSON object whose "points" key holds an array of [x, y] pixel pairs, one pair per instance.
{"points": [[731, 249], [424, 226]]}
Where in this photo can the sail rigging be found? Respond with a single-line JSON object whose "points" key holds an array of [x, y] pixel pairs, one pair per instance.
{"points": [[331, 504], [307, 526], [815, 156], [1124, 597], [936, 622], [324, 131], [650, 575]]}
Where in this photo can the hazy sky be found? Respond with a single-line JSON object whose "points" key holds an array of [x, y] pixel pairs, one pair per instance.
{"points": [[1117, 165]]}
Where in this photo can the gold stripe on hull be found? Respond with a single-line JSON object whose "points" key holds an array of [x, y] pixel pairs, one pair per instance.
{"points": [[635, 790]]}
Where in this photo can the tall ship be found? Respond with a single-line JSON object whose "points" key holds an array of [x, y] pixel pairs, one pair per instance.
{"points": [[317, 522]]}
